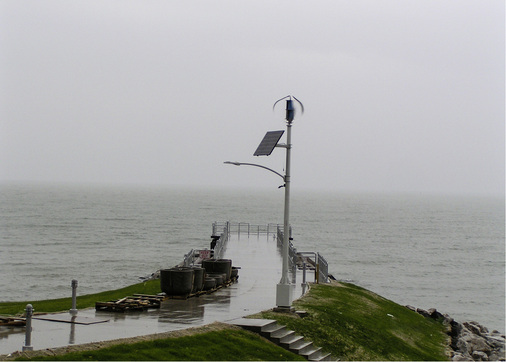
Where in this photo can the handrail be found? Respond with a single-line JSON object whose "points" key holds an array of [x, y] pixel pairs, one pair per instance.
{"points": [[221, 243], [323, 269], [244, 227], [224, 229], [292, 251]]}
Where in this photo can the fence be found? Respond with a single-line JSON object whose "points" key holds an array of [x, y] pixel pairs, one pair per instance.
{"points": [[244, 227], [323, 269], [296, 259], [221, 244], [292, 251]]}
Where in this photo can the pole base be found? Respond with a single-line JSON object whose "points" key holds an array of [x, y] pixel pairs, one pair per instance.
{"points": [[284, 295], [284, 310], [27, 348]]}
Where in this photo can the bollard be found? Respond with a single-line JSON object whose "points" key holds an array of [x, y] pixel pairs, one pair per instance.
{"points": [[28, 333], [72, 337], [73, 311]]}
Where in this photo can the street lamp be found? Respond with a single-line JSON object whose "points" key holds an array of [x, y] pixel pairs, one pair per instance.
{"points": [[254, 164], [284, 289]]}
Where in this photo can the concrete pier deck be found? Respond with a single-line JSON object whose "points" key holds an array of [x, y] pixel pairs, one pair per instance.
{"points": [[260, 263]]}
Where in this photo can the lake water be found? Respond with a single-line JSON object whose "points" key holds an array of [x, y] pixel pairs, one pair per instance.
{"points": [[443, 251]]}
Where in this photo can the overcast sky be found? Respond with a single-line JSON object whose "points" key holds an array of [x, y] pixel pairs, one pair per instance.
{"points": [[401, 95]]}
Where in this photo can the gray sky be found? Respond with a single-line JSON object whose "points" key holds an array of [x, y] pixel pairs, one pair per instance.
{"points": [[401, 95]]}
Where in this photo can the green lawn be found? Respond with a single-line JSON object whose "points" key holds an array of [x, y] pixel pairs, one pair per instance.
{"points": [[222, 345], [85, 301], [348, 321], [353, 323]]}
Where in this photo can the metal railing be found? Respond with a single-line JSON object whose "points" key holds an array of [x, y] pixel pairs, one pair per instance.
{"points": [[244, 227], [189, 258], [323, 269], [292, 251], [221, 244], [296, 259]]}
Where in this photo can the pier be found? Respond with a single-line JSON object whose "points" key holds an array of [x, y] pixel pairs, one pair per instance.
{"points": [[252, 248]]}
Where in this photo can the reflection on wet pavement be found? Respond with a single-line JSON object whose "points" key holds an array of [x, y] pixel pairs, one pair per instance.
{"points": [[255, 291]]}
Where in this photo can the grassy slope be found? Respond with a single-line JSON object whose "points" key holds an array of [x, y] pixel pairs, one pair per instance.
{"points": [[224, 345], [353, 323], [85, 301], [350, 322]]}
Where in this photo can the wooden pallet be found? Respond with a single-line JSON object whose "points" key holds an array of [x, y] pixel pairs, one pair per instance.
{"points": [[138, 302], [12, 322], [141, 302]]}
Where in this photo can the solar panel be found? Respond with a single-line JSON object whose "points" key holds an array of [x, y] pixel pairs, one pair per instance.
{"points": [[267, 145]]}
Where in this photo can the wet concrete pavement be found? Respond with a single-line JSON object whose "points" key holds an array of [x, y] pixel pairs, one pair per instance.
{"points": [[260, 262]]}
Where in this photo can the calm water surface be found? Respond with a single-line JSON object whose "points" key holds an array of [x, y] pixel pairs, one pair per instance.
{"points": [[445, 252]]}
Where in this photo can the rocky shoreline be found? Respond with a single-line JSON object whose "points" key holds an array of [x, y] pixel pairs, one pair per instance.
{"points": [[469, 341]]}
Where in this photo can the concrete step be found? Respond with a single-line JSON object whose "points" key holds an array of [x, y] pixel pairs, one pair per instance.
{"points": [[254, 325], [301, 347], [290, 340], [325, 357], [313, 354], [271, 329], [283, 337], [280, 334]]}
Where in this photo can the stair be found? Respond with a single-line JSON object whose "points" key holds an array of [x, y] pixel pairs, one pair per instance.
{"points": [[283, 337]]}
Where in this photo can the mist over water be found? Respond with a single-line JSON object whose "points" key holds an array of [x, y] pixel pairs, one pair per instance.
{"points": [[445, 252]]}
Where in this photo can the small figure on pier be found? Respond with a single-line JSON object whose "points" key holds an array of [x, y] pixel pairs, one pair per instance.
{"points": [[214, 241]]}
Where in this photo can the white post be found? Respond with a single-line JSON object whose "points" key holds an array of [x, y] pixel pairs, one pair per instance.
{"points": [[28, 332], [73, 311]]}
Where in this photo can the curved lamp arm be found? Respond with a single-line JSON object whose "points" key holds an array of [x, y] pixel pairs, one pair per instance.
{"points": [[254, 164]]}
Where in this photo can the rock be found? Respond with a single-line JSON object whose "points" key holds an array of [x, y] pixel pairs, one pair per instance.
{"points": [[476, 343], [410, 307], [496, 342], [494, 356], [480, 356], [469, 340], [455, 331], [476, 328], [434, 314], [460, 357], [461, 346]]}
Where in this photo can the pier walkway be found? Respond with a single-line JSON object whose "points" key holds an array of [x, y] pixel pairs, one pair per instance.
{"points": [[260, 262]]}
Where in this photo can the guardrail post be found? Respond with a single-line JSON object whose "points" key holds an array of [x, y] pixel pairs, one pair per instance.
{"points": [[28, 333], [73, 311]]}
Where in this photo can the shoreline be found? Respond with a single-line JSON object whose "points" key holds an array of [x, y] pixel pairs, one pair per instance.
{"points": [[469, 340]]}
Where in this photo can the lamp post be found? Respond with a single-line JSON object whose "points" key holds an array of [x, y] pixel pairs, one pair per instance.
{"points": [[284, 289]]}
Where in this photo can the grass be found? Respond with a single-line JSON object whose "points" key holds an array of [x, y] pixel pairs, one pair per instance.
{"points": [[223, 345], [353, 323], [85, 301], [348, 321]]}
